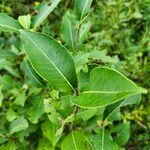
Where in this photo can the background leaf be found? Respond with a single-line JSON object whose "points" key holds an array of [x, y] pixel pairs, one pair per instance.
{"points": [[43, 11], [18, 125], [9, 24], [82, 7], [76, 141], [103, 141], [69, 31]]}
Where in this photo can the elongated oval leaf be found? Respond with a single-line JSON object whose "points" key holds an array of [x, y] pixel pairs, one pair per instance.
{"points": [[106, 86], [50, 60], [76, 141], [82, 7], [43, 11], [9, 24], [68, 31]]}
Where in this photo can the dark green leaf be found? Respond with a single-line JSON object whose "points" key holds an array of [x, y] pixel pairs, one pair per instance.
{"points": [[56, 67], [106, 86]]}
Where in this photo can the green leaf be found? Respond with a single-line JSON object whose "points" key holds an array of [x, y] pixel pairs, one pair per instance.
{"points": [[31, 75], [103, 141], [43, 11], [11, 115], [9, 24], [106, 87], [135, 99], [123, 133], [1, 95], [82, 7], [44, 144], [115, 107], [83, 33], [9, 146], [49, 132], [37, 109], [20, 100], [69, 31], [25, 21], [57, 66], [76, 141], [18, 125], [86, 114]]}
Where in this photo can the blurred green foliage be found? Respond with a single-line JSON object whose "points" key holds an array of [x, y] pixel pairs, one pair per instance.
{"points": [[120, 30]]}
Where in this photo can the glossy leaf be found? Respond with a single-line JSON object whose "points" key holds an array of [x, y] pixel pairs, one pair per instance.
{"points": [[76, 141], [69, 31], [9, 24], [18, 125], [82, 7], [43, 11], [56, 65], [106, 87]]}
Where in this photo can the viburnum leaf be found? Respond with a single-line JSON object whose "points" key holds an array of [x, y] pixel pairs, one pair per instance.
{"points": [[56, 65], [106, 86]]}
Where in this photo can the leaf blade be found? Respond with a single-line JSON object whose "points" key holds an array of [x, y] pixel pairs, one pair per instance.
{"points": [[106, 89], [57, 65], [9, 24], [44, 11]]}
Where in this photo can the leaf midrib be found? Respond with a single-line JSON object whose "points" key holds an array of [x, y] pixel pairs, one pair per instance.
{"points": [[2, 25], [48, 59]]}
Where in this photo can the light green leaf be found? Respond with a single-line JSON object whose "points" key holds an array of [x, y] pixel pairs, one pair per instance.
{"points": [[8, 24], [106, 87], [11, 115], [43, 11], [18, 125], [57, 66], [76, 141], [20, 100], [135, 99], [86, 114], [69, 31], [103, 141], [37, 110], [49, 132], [9, 146], [31, 75], [1, 95], [44, 144], [25, 21], [137, 15], [81, 59], [82, 7]]}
